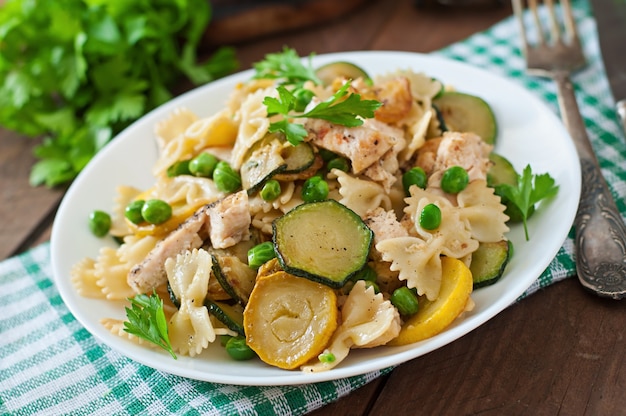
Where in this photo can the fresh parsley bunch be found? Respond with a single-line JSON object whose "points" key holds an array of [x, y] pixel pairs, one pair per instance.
{"points": [[78, 71]]}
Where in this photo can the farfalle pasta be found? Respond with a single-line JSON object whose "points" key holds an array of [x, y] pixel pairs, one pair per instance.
{"points": [[199, 261]]}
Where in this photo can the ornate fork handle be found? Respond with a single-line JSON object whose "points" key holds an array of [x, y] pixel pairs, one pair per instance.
{"points": [[600, 230]]}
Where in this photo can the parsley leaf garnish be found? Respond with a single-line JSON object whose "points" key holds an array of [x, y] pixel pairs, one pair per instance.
{"points": [[530, 190], [146, 320], [344, 108], [286, 66]]}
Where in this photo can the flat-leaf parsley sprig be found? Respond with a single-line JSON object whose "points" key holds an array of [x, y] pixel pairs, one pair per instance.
{"points": [[146, 320], [344, 108], [287, 67], [530, 190]]}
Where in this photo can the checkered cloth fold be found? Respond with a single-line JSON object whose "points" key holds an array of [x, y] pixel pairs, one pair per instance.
{"points": [[49, 364]]}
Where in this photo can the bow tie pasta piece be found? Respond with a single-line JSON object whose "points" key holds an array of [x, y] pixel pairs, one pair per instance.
{"points": [[484, 212], [361, 196], [253, 124], [173, 126], [190, 328], [417, 262], [368, 320], [193, 134], [417, 257]]}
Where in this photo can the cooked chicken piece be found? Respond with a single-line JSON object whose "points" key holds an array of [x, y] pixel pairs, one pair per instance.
{"points": [[150, 273], [384, 224], [397, 100], [467, 150], [229, 220], [384, 169], [363, 145], [226, 222], [427, 154]]}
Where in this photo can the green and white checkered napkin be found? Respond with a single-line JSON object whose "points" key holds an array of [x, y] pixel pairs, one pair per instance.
{"points": [[49, 364]]}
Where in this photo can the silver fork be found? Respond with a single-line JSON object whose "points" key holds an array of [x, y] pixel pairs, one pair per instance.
{"points": [[600, 231]]}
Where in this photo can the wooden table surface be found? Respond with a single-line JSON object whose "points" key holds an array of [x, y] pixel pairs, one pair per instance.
{"points": [[559, 352]]}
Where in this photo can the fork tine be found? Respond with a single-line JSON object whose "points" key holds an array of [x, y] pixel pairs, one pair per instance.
{"points": [[519, 13], [532, 5], [555, 32], [568, 18]]}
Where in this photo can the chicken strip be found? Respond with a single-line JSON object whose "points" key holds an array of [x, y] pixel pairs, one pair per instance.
{"points": [[225, 222]]}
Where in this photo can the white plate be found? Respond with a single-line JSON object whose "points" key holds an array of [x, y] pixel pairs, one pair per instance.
{"points": [[528, 133]]}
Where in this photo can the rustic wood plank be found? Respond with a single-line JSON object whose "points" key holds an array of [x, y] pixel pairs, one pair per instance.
{"points": [[240, 21], [24, 208], [353, 32], [553, 353], [410, 28], [356, 403]]}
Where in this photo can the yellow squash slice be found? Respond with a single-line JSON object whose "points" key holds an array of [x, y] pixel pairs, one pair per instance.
{"points": [[433, 317], [289, 320]]}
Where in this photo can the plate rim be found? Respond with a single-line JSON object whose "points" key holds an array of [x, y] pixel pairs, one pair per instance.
{"points": [[284, 377]]}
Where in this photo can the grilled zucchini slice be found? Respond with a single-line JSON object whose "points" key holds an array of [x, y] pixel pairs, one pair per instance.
{"points": [[341, 69], [270, 157], [262, 161], [466, 113], [235, 276], [488, 263], [501, 173], [229, 315], [322, 241]]}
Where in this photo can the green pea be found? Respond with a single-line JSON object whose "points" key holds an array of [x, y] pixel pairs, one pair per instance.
{"points": [[430, 217], [203, 165], [366, 273], [314, 189], [156, 211], [326, 154], [271, 190], [99, 223], [369, 284], [405, 300], [133, 211], [414, 176], [327, 357], [261, 254], [238, 350], [338, 163], [454, 180], [178, 168], [303, 98], [225, 177]]}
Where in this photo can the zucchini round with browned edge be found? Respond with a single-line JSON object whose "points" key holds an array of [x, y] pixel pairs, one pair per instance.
{"points": [[322, 241], [467, 113], [235, 276], [229, 315], [262, 161], [489, 262], [271, 157], [329, 72]]}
